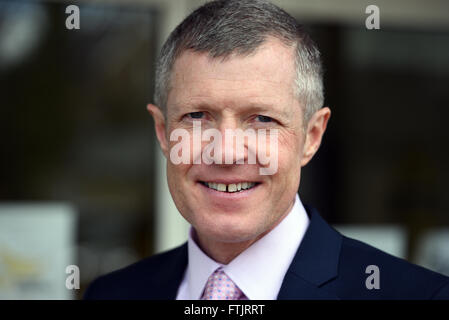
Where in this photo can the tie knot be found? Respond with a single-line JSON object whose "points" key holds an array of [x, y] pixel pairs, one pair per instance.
{"points": [[220, 287]]}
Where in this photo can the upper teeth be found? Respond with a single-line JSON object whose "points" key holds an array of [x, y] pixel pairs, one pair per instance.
{"points": [[233, 187]]}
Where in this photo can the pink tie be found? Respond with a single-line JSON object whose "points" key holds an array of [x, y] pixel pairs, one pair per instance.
{"points": [[220, 287]]}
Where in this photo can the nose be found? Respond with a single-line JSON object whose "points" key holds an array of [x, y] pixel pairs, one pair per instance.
{"points": [[233, 145]]}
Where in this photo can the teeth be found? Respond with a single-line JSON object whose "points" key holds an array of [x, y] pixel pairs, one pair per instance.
{"points": [[250, 185], [233, 187]]}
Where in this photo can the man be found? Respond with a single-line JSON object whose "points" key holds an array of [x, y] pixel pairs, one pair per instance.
{"points": [[247, 65]]}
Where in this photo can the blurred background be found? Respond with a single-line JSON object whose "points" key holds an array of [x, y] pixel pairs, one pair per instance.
{"points": [[82, 180]]}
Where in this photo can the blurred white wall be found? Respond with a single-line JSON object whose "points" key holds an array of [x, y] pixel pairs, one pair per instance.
{"points": [[37, 243], [389, 238]]}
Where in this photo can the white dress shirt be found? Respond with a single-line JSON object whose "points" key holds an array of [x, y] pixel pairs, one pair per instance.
{"points": [[259, 270]]}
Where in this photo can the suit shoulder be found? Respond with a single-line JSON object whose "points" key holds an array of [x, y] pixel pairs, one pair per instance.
{"points": [[140, 278], [399, 279]]}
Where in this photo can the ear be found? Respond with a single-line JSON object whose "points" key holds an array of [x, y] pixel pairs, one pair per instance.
{"points": [[315, 131], [159, 124]]}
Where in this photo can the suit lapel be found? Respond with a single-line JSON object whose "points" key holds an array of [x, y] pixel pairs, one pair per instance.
{"points": [[172, 273], [315, 262]]}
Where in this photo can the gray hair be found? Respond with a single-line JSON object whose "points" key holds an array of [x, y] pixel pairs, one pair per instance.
{"points": [[224, 27]]}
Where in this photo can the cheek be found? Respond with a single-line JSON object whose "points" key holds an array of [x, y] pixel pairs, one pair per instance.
{"points": [[290, 155], [184, 147], [290, 148], [177, 178], [177, 173]]}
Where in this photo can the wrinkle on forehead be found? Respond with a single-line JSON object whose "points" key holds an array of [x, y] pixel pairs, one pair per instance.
{"points": [[183, 78], [267, 75], [272, 52]]}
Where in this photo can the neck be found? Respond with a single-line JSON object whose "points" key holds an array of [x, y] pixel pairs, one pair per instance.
{"points": [[223, 252]]}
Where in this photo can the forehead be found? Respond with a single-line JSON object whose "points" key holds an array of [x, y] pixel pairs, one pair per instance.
{"points": [[266, 75]]}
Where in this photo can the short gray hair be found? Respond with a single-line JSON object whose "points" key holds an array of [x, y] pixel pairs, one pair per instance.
{"points": [[224, 27]]}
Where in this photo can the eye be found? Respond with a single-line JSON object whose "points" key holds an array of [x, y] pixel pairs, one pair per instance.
{"points": [[196, 115], [264, 118]]}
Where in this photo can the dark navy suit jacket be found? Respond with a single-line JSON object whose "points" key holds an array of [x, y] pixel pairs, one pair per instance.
{"points": [[327, 265]]}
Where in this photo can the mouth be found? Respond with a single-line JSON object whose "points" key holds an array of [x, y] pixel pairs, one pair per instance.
{"points": [[231, 187]]}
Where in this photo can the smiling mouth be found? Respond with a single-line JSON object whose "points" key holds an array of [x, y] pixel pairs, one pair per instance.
{"points": [[230, 188]]}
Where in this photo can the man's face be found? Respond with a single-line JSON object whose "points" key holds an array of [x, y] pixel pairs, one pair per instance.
{"points": [[253, 92]]}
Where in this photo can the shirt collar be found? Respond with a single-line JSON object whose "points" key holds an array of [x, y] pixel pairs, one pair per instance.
{"points": [[260, 269], [200, 267]]}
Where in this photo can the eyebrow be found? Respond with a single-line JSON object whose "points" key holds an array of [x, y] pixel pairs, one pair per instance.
{"points": [[252, 106]]}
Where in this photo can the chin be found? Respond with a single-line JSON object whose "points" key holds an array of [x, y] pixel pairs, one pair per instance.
{"points": [[228, 229]]}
